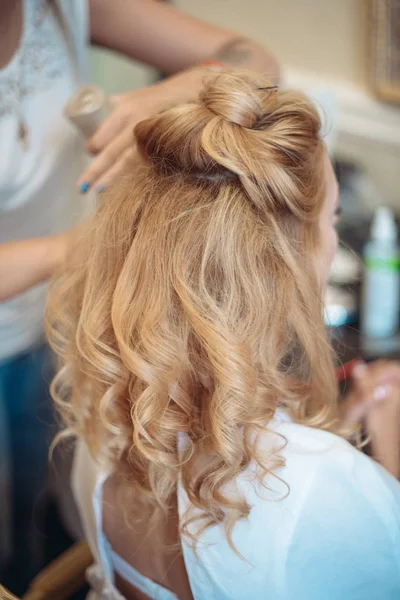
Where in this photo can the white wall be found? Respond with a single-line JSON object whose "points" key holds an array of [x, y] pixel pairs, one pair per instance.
{"points": [[322, 36]]}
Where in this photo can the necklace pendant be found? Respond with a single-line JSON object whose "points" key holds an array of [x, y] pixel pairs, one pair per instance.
{"points": [[23, 135]]}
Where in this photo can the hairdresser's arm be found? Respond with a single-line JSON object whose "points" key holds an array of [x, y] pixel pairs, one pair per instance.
{"points": [[26, 263], [159, 35], [176, 44]]}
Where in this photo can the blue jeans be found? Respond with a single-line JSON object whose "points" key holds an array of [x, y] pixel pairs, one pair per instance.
{"points": [[25, 437]]}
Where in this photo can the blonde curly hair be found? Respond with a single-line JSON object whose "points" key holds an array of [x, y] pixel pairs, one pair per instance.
{"points": [[191, 305]]}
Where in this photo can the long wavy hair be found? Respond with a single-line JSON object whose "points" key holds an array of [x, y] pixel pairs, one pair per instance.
{"points": [[191, 306]]}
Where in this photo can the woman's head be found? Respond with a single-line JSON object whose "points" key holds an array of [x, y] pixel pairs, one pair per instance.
{"points": [[193, 302]]}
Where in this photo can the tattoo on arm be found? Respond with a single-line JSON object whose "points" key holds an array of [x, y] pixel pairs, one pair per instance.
{"points": [[235, 52]]}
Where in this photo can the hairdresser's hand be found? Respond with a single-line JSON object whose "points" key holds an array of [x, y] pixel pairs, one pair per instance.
{"points": [[113, 143], [372, 385]]}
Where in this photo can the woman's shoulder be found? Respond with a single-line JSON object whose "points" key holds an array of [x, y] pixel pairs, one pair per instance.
{"points": [[326, 523], [324, 459], [332, 491], [346, 517]]}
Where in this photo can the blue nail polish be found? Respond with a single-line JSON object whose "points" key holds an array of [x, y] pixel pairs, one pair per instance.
{"points": [[100, 188], [84, 187]]}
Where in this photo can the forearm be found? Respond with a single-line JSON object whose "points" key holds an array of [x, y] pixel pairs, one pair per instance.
{"points": [[26, 263], [159, 35], [238, 52]]}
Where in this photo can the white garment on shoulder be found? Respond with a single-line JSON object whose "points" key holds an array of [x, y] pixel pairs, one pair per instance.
{"points": [[335, 536], [37, 185]]}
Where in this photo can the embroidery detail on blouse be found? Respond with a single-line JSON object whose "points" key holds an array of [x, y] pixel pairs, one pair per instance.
{"points": [[42, 58]]}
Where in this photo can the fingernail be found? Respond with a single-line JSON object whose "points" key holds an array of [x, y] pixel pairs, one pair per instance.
{"points": [[381, 393], [100, 188], [360, 371], [84, 187]]}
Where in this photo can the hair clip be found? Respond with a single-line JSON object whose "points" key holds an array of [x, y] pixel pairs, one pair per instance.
{"points": [[271, 88]]}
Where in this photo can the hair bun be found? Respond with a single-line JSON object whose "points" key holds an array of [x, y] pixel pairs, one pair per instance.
{"points": [[239, 131], [236, 96]]}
